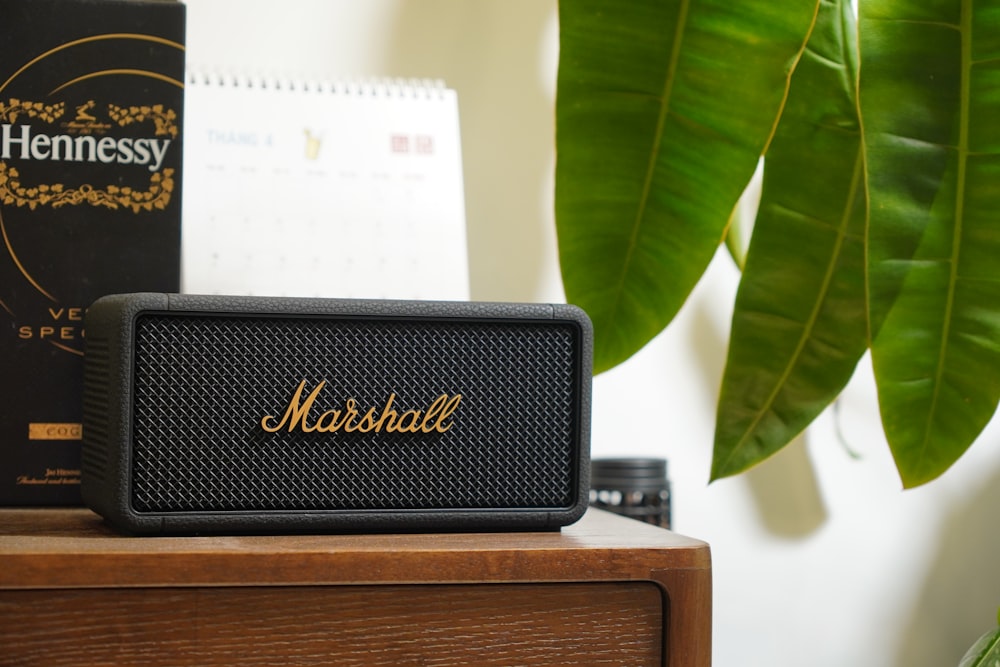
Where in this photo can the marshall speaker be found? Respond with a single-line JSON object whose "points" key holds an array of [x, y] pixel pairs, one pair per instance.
{"points": [[247, 414]]}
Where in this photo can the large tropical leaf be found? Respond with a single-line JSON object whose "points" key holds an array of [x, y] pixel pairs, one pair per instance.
{"points": [[985, 652], [930, 100], [663, 109], [799, 323]]}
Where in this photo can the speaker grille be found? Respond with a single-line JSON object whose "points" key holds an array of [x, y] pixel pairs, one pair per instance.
{"points": [[203, 382]]}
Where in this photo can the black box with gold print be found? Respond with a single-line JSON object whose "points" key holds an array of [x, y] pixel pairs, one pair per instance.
{"points": [[91, 103]]}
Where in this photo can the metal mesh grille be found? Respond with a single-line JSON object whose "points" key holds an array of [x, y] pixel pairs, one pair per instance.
{"points": [[203, 383]]}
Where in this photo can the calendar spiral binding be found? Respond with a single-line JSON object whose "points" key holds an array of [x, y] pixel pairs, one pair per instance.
{"points": [[357, 87]]}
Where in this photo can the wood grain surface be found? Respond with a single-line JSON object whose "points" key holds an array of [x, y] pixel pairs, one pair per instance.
{"points": [[517, 624]]}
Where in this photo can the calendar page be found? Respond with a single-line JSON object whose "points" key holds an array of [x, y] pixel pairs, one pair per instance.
{"points": [[332, 189]]}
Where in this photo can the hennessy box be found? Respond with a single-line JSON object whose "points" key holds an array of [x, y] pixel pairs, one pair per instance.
{"points": [[91, 103]]}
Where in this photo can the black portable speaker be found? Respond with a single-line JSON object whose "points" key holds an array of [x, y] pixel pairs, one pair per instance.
{"points": [[252, 414]]}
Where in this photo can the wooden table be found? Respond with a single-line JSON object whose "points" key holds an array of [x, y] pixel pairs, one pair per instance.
{"points": [[607, 590]]}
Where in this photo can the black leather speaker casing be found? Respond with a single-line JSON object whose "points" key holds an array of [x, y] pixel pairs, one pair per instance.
{"points": [[209, 414]]}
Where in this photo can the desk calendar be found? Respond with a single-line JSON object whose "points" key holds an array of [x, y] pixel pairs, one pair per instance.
{"points": [[330, 189]]}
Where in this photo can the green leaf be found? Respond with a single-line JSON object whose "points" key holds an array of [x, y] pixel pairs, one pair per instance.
{"points": [[799, 323], [740, 226], [985, 652], [930, 99], [663, 109]]}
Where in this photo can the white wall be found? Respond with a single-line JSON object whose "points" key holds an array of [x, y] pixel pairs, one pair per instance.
{"points": [[819, 557]]}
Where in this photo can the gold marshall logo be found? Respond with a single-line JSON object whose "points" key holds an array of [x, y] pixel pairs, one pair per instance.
{"points": [[349, 420]]}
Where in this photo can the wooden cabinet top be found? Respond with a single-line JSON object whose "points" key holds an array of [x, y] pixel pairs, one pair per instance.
{"points": [[74, 548], [592, 586]]}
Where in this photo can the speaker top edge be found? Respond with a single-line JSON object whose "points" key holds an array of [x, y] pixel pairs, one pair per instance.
{"points": [[237, 304]]}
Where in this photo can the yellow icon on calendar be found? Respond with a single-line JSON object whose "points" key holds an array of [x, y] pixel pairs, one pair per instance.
{"points": [[312, 145]]}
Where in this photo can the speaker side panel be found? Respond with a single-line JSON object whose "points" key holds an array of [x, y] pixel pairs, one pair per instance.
{"points": [[107, 407]]}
